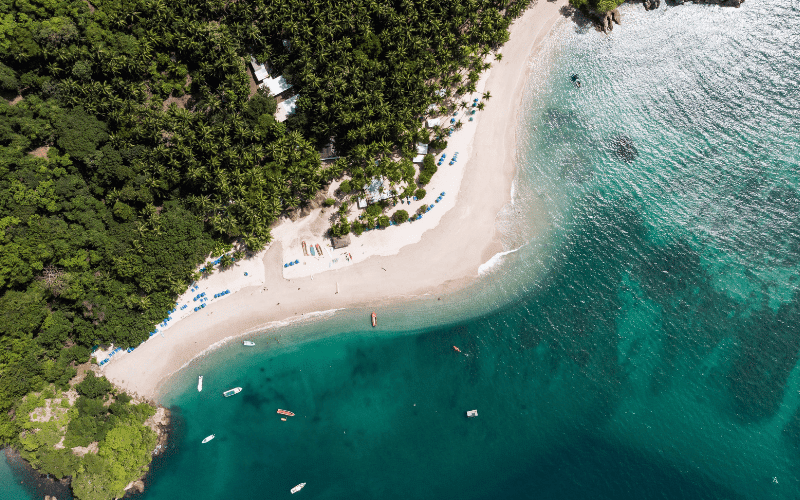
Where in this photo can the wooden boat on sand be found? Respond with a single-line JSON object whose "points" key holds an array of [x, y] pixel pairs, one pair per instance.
{"points": [[305, 249], [319, 249]]}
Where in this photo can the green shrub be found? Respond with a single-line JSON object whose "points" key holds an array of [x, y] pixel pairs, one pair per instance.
{"points": [[420, 193], [428, 169], [400, 216], [329, 202], [94, 387], [374, 210], [345, 187], [357, 228], [383, 221]]}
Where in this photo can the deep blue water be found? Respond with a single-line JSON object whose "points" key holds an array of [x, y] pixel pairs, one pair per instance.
{"points": [[642, 343]]}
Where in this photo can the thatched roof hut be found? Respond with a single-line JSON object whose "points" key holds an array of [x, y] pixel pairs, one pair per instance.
{"points": [[340, 241]]}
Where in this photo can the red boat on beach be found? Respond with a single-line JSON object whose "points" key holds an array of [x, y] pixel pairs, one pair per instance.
{"points": [[285, 412], [374, 320]]}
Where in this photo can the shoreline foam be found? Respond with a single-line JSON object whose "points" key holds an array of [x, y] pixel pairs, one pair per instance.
{"points": [[446, 257]]}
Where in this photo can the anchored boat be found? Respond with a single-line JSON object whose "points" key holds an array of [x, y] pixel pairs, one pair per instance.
{"points": [[200, 383], [298, 488], [285, 412], [374, 319], [248, 343], [209, 438], [231, 392], [457, 349]]}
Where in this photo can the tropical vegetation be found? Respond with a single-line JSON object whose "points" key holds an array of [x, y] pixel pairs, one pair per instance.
{"points": [[600, 6], [98, 438], [134, 144]]}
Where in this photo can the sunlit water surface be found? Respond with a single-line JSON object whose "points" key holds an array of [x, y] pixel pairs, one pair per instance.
{"points": [[642, 343]]}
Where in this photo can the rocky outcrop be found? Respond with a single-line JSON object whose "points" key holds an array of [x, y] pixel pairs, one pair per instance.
{"points": [[652, 4], [608, 19]]}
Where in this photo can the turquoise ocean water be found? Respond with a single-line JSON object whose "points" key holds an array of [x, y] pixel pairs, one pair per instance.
{"points": [[641, 343]]}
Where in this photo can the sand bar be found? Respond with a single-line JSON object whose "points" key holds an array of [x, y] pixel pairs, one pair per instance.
{"points": [[445, 256]]}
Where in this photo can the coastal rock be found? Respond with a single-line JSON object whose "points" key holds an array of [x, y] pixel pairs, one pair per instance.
{"points": [[608, 19], [623, 148], [138, 486], [651, 4]]}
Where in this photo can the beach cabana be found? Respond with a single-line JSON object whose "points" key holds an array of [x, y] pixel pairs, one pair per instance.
{"points": [[329, 151], [374, 192], [340, 242], [422, 150]]}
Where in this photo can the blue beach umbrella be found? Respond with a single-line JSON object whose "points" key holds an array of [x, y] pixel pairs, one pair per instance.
{"points": [[297, 261], [452, 120]]}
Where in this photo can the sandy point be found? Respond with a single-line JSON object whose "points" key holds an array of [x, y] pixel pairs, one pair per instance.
{"points": [[440, 258]]}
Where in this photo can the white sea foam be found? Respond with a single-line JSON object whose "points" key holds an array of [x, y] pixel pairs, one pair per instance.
{"points": [[259, 329], [495, 260]]}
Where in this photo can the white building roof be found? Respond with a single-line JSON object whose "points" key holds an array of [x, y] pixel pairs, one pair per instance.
{"points": [[432, 122], [276, 85], [261, 73], [419, 158], [422, 149], [255, 64], [374, 194], [286, 108]]}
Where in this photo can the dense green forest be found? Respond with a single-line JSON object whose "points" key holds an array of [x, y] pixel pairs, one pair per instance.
{"points": [[132, 146], [51, 425]]}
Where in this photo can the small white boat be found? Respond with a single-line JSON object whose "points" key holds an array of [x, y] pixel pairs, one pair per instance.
{"points": [[298, 488], [200, 384], [248, 343], [472, 413], [231, 392], [209, 438]]}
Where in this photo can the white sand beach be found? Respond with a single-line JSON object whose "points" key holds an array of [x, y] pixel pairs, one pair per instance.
{"points": [[403, 261]]}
